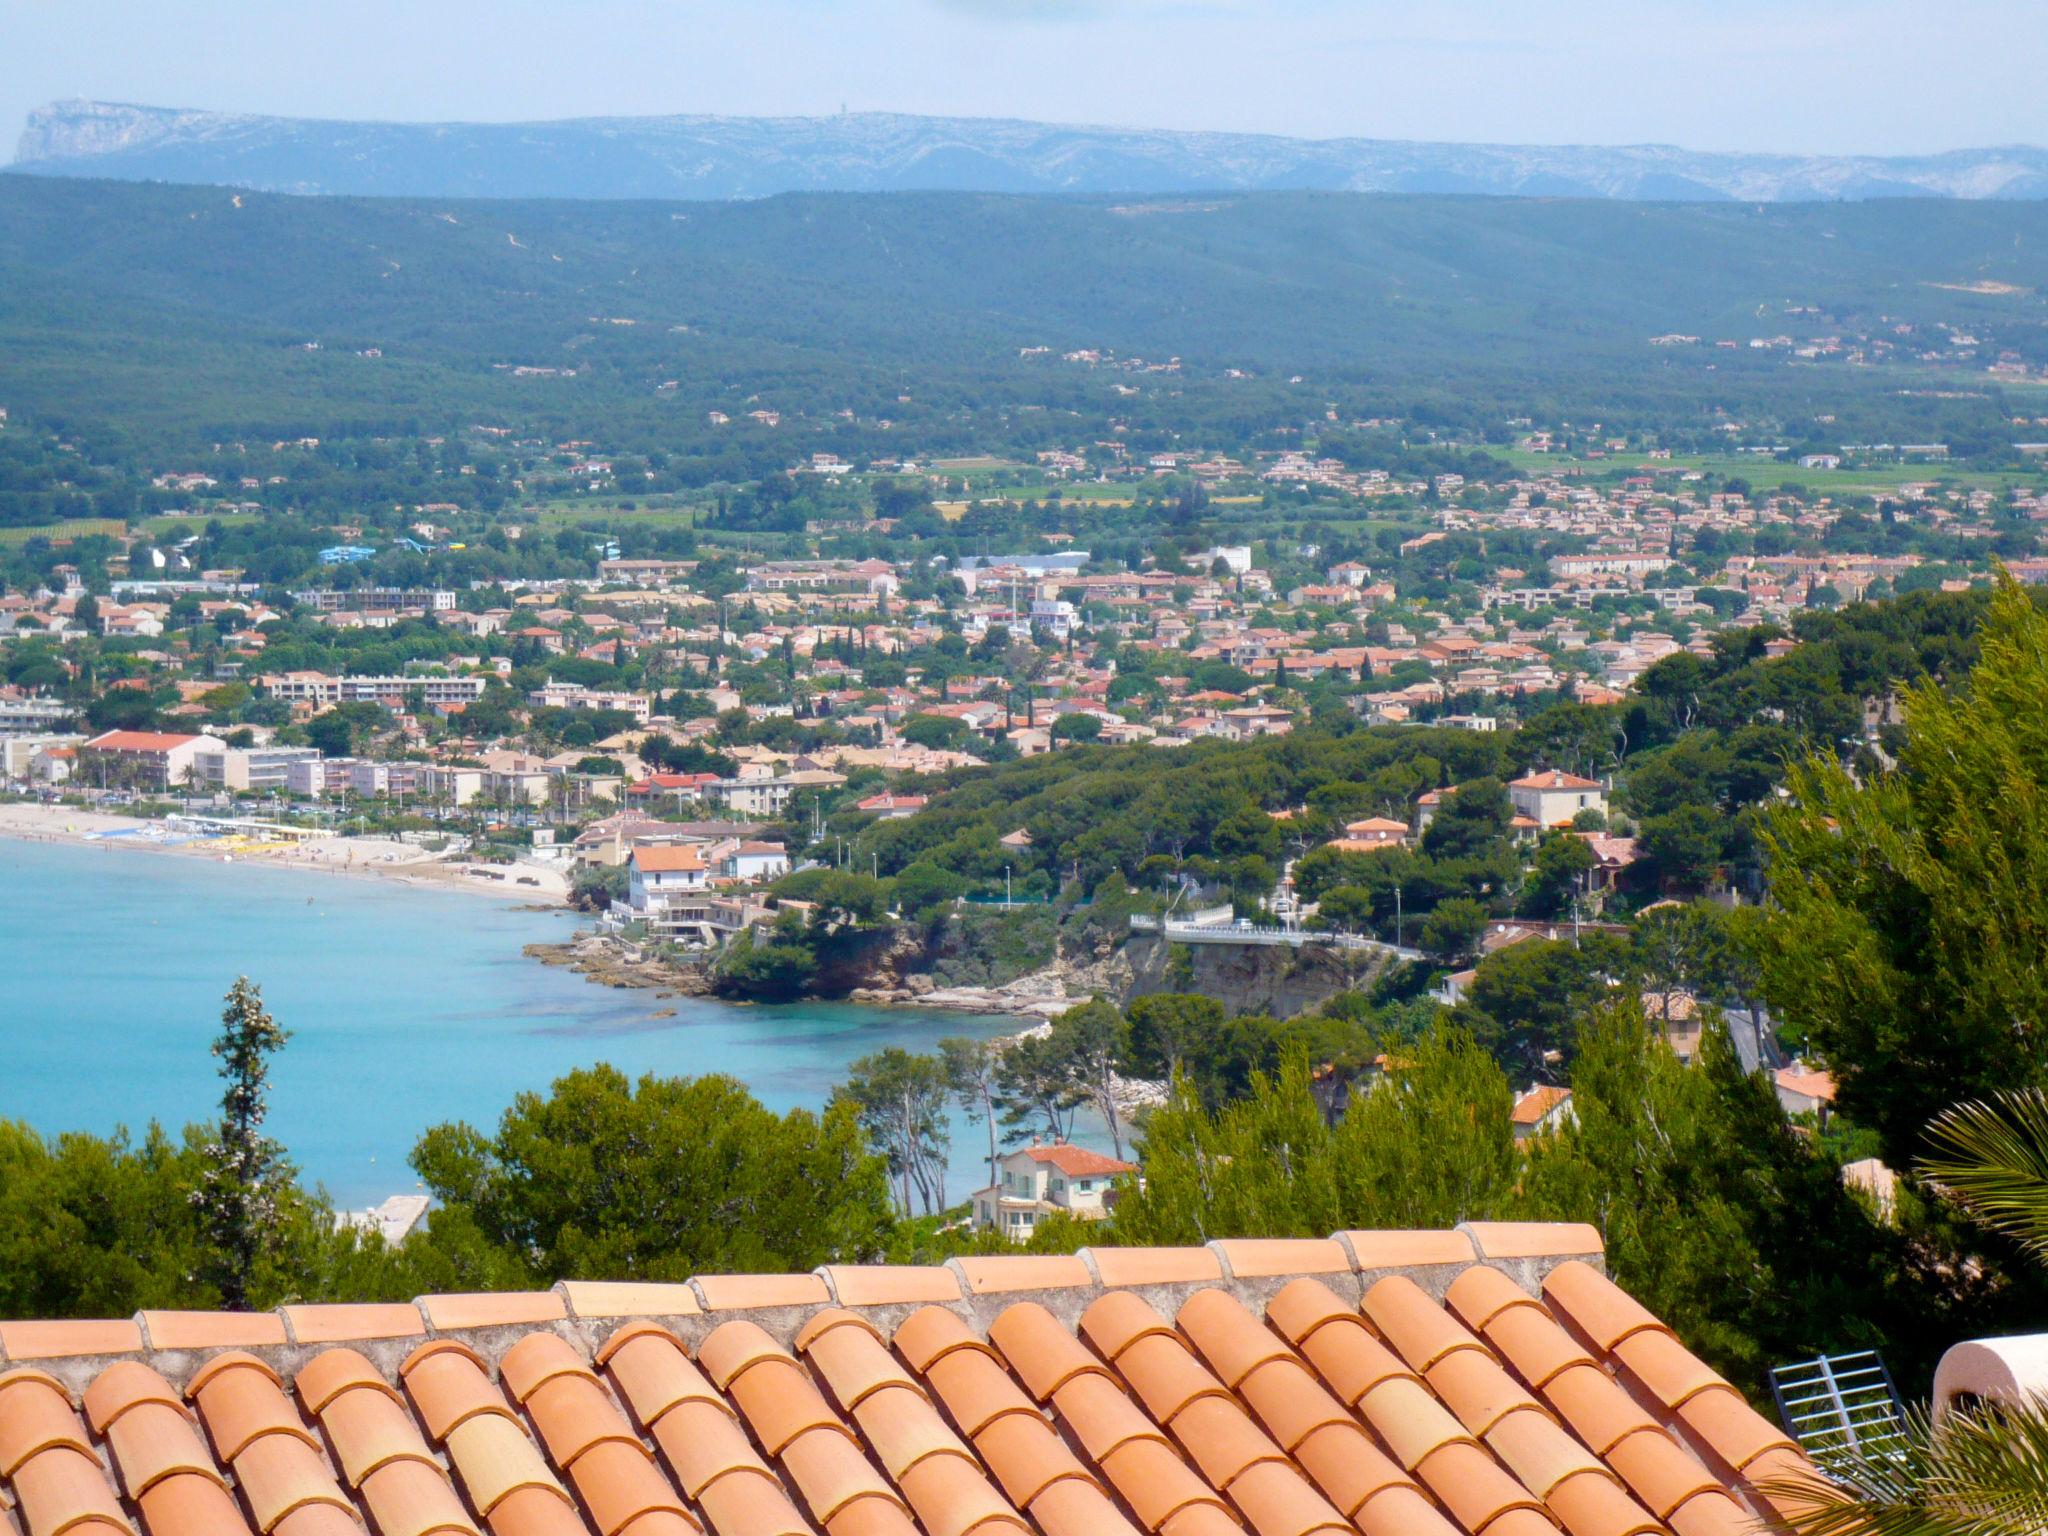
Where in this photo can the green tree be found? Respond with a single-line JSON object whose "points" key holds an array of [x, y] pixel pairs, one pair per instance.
{"points": [[1077, 727], [1527, 1001], [1034, 1087], [924, 889], [900, 1101], [661, 1179], [1907, 936], [248, 1190], [1429, 1145], [1708, 1202], [1684, 846], [1469, 821], [1089, 1042], [1169, 1030], [942, 732], [1556, 875], [972, 1070], [1452, 932]]}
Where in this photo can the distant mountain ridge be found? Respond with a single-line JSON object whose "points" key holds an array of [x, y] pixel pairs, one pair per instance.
{"points": [[719, 158]]}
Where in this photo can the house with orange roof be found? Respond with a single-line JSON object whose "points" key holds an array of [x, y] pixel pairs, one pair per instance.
{"points": [[1804, 1091], [1544, 1108], [1044, 1180], [1553, 798], [1376, 831], [145, 759]]}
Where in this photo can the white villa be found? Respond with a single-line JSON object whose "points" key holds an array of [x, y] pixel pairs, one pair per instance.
{"points": [[1038, 1181]]}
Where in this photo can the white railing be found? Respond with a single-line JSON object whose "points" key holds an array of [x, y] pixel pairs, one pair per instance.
{"points": [[1293, 938]]}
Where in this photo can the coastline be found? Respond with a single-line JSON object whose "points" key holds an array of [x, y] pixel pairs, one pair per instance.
{"points": [[603, 960], [370, 858]]}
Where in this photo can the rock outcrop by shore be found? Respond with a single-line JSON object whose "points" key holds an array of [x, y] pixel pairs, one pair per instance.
{"points": [[611, 962]]}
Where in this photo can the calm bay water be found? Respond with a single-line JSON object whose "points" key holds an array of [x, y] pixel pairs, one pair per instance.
{"points": [[408, 1006]]}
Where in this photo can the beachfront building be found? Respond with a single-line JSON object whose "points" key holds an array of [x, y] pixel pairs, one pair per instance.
{"points": [[142, 759], [665, 889], [1039, 1181], [28, 717], [257, 769]]}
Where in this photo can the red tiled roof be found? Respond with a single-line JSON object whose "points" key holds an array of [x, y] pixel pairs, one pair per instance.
{"points": [[1489, 1381], [675, 859], [1554, 778], [1539, 1101], [1076, 1162]]}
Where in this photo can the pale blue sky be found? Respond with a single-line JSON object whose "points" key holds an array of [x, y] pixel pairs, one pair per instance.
{"points": [[1880, 76]]}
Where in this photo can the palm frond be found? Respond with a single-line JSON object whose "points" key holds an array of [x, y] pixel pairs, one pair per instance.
{"points": [[1991, 1158], [1981, 1472]]}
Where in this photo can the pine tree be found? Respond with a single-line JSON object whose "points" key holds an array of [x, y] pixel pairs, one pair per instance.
{"points": [[248, 1186]]}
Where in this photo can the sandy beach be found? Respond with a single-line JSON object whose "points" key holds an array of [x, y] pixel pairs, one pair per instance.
{"points": [[375, 857]]}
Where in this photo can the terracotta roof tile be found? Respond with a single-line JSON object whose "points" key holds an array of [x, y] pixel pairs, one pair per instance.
{"points": [[1178, 1392], [1589, 1504], [1406, 1250], [59, 1487], [495, 1460], [280, 1475], [875, 1285], [36, 1416], [1601, 1311], [211, 1330], [154, 1440], [1154, 1266], [1231, 1340], [573, 1414], [500, 1309], [1711, 1514], [191, 1506], [990, 1274], [447, 1387], [1529, 1339], [239, 1402], [414, 1498], [1421, 1330], [57, 1339], [351, 1324], [1665, 1368], [1040, 1349], [1262, 1258], [736, 1293], [1733, 1430], [653, 1375], [606, 1299], [1532, 1239], [1599, 1412]]}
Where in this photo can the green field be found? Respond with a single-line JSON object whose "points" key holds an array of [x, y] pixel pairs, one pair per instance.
{"points": [[74, 528], [1769, 472]]}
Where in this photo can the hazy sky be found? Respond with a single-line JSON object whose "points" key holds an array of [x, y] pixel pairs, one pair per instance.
{"points": [[1882, 76]]}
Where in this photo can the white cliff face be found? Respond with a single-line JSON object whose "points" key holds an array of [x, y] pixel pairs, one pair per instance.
{"points": [[729, 157]]}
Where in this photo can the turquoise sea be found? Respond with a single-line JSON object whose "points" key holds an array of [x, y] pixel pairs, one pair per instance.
{"points": [[408, 1006]]}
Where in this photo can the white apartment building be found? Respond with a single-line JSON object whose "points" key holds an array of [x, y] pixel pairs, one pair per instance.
{"points": [[249, 768], [320, 690], [573, 696]]}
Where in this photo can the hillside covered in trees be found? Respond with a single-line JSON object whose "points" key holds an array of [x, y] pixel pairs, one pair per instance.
{"points": [[181, 315]]}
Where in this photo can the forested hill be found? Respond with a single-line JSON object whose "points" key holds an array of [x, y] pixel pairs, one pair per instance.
{"points": [[203, 312]]}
